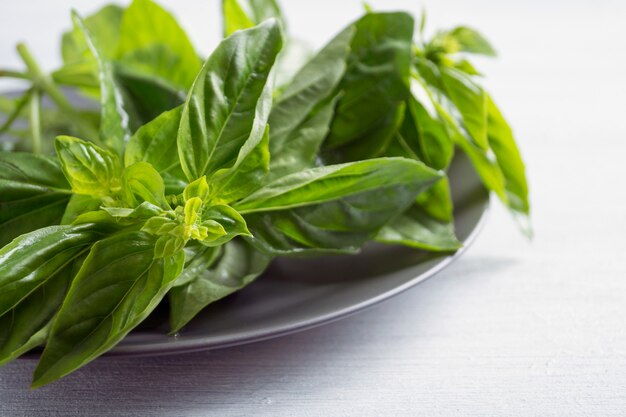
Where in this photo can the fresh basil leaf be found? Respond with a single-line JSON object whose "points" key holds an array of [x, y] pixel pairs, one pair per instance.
{"points": [[374, 87], [146, 96], [33, 194], [322, 184], [31, 259], [417, 229], [173, 185], [104, 25], [466, 39], [212, 278], [20, 327], [198, 258], [244, 14], [471, 101], [145, 183], [89, 169], [143, 212], [233, 223], [234, 17], [246, 175], [151, 41], [212, 128], [509, 160], [118, 285], [80, 204], [428, 224], [198, 188], [426, 136], [155, 143], [34, 341], [114, 124], [301, 117], [335, 208]]}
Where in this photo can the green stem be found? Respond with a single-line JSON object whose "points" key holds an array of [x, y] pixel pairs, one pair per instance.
{"points": [[35, 121], [52, 90], [14, 74], [16, 111]]}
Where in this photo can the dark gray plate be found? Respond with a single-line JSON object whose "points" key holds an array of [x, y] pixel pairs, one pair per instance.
{"points": [[298, 294]]}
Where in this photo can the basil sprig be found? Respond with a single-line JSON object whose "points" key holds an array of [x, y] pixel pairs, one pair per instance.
{"points": [[195, 173]]}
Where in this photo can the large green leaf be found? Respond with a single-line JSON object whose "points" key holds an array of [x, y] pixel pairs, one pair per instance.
{"points": [[145, 184], [146, 96], [235, 17], [244, 14], [211, 278], [89, 169], [334, 208], [375, 86], [323, 184], [301, 117], [246, 175], [426, 136], [509, 160], [428, 224], [114, 123], [20, 327], [104, 25], [80, 204], [463, 39], [119, 284], [227, 100], [152, 42], [470, 100], [155, 143], [32, 259], [33, 194]]}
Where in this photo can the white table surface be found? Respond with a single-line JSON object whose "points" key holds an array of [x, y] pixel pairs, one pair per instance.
{"points": [[515, 328]]}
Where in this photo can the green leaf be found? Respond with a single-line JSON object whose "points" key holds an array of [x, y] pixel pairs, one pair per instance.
{"points": [[487, 168], [104, 25], [198, 188], [471, 101], [246, 175], [114, 124], [375, 86], [152, 42], [335, 208], [80, 204], [214, 128], [234, 17], [428, 224], [146, 96], [426, 136], [21, 328], [35, 340], [32, 259], [466, 39], [89, 169], [244, 14], [119, 284], [33, 194], [233, 223], [197, 259], [300, 119], [144, 182], [509, 160], [322, 184], [210, 279], [155, 143]]}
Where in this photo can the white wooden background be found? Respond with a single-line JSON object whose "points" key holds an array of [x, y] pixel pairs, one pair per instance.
{"points": [[515, 328]]}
